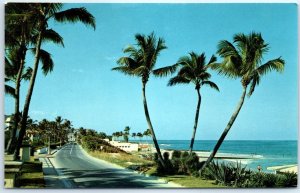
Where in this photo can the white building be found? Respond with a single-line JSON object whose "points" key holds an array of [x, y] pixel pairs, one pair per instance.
{"points": [[128, 147], [71, 137]]}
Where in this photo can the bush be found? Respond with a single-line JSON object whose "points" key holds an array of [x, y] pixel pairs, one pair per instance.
{"points": [[290, 179], [227, 174], [95, 143], [176, 154]]}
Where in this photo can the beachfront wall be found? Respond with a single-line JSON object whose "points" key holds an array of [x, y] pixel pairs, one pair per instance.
{"points": [[128, 147]]}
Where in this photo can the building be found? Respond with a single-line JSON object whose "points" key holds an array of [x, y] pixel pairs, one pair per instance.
{"points": [[71, 137], [128, 147]]}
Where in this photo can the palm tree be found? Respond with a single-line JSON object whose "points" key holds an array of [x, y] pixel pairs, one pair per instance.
{"points": [[44, 12], [140, 136], [133, 135], [141, 62], [243, 60], [12, 75], [59, 127], [194, 70], [19, 34], [147, 133], [126, 133]]}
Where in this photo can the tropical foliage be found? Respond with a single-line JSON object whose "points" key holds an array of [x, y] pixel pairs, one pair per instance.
{"points": [[27, 23]]}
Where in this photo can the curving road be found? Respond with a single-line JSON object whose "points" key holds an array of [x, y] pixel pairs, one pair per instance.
{"points": [[77, 169]]}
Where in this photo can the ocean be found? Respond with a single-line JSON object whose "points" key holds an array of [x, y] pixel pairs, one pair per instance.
{"points": [[270, 153]]}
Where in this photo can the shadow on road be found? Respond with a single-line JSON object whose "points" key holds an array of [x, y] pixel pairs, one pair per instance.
{"points": [[109, 178]]}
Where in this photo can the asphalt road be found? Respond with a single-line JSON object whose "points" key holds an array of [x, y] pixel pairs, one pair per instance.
{"points": [[77, 169]]}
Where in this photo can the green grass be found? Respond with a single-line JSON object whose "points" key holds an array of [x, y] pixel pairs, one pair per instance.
{"points": [[32, 175], [121, 159], [192, 182]]}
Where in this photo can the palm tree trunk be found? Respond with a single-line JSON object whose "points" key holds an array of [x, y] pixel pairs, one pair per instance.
{"points": [[12, 142], [29, 94], [151, 127], [196, 122], [226, 130]]}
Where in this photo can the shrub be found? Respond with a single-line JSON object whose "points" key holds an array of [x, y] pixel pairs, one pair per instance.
{"points": [[176, 154], [227, 174], [286, 180], [192, 163]]}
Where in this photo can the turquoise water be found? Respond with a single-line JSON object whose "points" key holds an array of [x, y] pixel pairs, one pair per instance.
{"points": [[274, 153]]}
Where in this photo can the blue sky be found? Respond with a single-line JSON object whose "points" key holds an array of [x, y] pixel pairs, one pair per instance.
{"points": [[83, 89]]}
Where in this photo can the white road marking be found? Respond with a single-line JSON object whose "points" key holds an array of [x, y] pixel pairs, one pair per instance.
{"points": [[71, 148]]}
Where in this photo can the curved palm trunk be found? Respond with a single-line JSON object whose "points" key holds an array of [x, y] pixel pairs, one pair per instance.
{"points": [[151, 127], [226, 130], [12, 142], [196, 122], [28, 96]]}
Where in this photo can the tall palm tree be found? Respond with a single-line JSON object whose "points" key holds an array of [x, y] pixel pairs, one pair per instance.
{"points": [[12, 75], [243, 59], [194, 70], [44, 12], [59, 128], [20, 33], [140, 62]]}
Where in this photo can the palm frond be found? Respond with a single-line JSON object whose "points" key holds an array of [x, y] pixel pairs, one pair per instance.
{"points": [[141, 41], [165, 71], [53, 36], [140, 71], [47, 62], [27, 75], [212, 60], [184, 60], [228, 68], [124, 69], [74, 15], [187, 71], [203, 76], [211, 84], [201, 61], [178, 80], [10, 90], [255, 79], [276, 64], [129, 62], [226, 49]]}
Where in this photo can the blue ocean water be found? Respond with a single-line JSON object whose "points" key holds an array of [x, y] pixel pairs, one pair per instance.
{"points": [[274, 153]]}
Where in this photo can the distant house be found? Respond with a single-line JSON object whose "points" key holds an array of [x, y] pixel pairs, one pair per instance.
{"points": [[71, 137], [128, 147]]}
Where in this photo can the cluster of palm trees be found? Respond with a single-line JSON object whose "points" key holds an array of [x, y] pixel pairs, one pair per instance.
{"points": [[126, 134], [27, 29], [46, 131], [240, 59]]}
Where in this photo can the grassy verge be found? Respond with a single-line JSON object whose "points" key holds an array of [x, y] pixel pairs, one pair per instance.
{"points": [[187, 181], [122, 159], [192, 182], [32, 175]]}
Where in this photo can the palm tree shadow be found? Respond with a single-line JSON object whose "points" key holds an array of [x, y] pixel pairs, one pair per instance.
{"points": [[109, 178]]}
